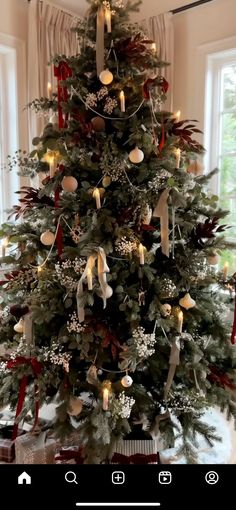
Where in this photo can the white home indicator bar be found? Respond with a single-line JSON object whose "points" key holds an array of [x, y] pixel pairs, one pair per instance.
{"points": [[118, 504]]}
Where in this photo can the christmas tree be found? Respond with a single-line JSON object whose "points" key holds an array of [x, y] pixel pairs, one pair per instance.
{"points": [[113, 307]]}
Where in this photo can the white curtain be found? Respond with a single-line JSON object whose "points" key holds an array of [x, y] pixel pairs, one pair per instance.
{"points": [[160, 29], [49, 33]]}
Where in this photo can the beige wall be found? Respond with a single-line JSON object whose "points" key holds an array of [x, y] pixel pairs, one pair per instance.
{"points": [[193, 30], [13, 18], [13, 32]]}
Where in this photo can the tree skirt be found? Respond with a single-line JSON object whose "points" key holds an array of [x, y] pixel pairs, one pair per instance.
{"points": [[220, 452]]}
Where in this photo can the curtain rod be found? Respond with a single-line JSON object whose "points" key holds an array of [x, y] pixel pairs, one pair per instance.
{"points": [[190, 6]]}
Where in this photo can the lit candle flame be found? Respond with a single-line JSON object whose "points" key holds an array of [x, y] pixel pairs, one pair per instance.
{"points": [[225, 270], [178, 157], [122, 101], [108, 19], [141, 250], [177, 116], [105, 403], [154, 47], [49, 87], [180, 321]]}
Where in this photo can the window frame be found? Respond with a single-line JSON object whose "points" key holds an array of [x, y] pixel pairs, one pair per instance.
{"points": [[215, 63], [14, 99]]}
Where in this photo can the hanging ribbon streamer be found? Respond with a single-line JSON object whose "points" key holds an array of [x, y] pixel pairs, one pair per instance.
{"points": [[162, 211], [59, 237], [62, 72], [28, 328], [37, 368], [233, 335], [162, 140], [174, 361], [100, 48], [173, 232], [105, 290]]}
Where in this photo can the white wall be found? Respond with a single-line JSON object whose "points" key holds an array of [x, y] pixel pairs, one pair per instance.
{"points": [[13, 29], [194, 30]]}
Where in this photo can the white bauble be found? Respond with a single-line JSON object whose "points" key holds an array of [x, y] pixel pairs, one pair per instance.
{"points": [[75, 406], [165, 310], [108, 292], [19, 326], [106, 77], [187, 302], [47, 238], [69, 183], [127, 381], [136, 156]]}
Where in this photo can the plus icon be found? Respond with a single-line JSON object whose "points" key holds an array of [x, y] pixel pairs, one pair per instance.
{"points": [[118, 478]]}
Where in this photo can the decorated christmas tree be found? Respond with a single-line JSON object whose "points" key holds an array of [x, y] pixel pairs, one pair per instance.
{"points": [[112, 307]]}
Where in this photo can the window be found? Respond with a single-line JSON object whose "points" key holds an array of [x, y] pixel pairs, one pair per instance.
{"points": [[221, 134], [8, 126]]}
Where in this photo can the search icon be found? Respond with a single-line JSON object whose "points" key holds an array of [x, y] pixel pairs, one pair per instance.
{"points": [[70, 477]]}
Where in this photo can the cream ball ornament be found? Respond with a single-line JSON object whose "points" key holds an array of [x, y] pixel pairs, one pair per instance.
{"points": [[187, 302], [106, 77], [47, 238], [127, 381], [19, 326], [136, 156], [75, 406], [106, 181], [165, 310], [213, 259], [108, 292], [69, 184], [98, 124]]}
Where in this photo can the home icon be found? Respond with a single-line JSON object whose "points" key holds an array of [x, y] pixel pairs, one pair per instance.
{"points": [[24, 479]]}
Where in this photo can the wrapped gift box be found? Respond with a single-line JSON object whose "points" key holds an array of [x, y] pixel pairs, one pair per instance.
{"points": [[135, 451], [69, 455], [7, 450], [7, 445], [35, 449]]}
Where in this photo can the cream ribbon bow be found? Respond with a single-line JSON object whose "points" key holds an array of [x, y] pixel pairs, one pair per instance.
{"points": [[105, 290], [162, 211]]}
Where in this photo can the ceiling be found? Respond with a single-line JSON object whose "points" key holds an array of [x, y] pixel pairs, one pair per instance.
{"points": [[151, 6]]}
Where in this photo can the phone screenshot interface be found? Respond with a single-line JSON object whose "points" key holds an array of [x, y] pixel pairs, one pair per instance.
{"points": [[117, 251]]}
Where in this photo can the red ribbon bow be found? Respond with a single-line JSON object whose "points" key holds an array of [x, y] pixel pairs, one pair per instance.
{"points": [[75, 455], [36, 367], [138, 458]]}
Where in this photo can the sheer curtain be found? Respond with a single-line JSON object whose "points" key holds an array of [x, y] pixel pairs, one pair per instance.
{"points": [[160, 29], [49, 33]]}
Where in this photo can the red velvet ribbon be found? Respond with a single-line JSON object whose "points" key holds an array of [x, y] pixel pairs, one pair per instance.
{"points": [[36, 367], [162, 140], [138, 458], [218, 377], [75, 455], [62, 72], [233, 336]]}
